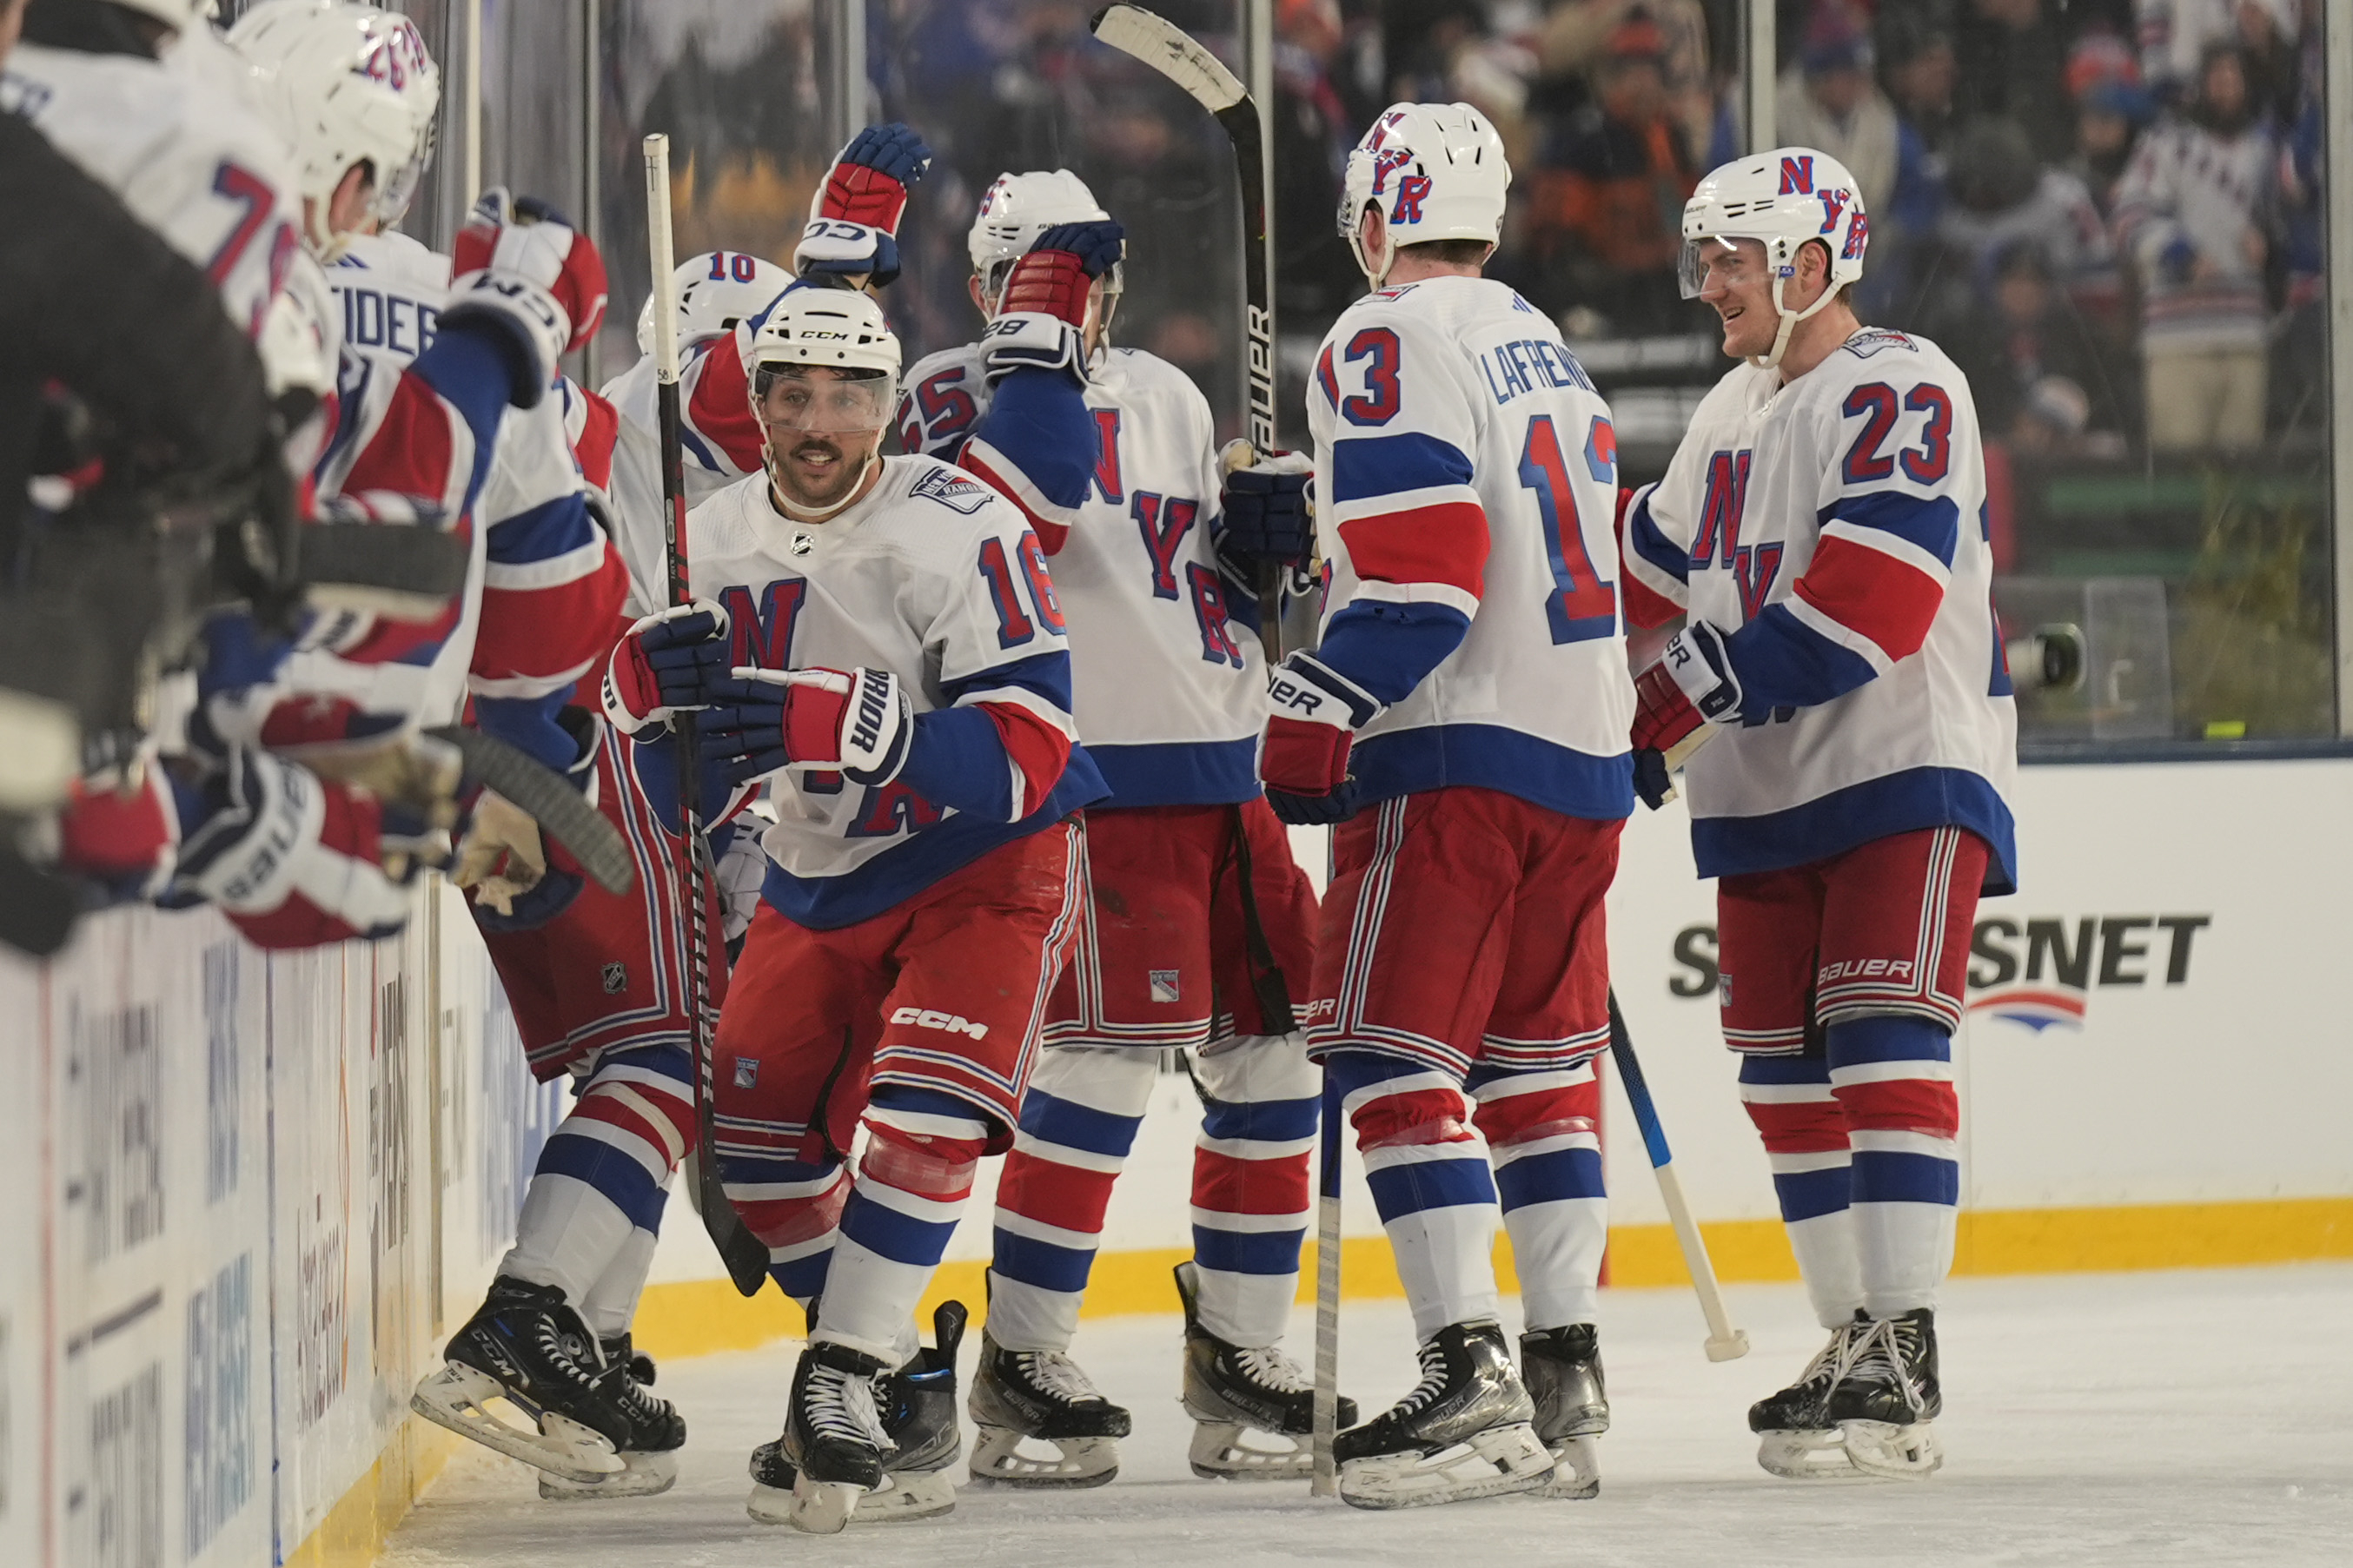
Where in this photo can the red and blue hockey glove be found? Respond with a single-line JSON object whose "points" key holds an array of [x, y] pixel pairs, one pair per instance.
{"points": [[125, 840], [856, 722], [296, 860], [521, 265], [1042, 313], [1268, 505], [1316, 712], [853, 224], [664, 665], [1679, 703]]}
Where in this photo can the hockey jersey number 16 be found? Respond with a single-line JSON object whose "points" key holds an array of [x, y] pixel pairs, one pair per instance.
{"points": [[1467, 475]]}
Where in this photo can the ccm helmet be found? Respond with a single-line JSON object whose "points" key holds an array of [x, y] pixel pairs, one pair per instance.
{"points": [[1436, 169], [352, 85], [714, 291], [1783, 200]]}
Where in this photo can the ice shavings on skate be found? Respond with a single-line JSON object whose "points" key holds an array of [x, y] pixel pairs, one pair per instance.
{"points": [[644, 1475], [460, 1398], [1489, 1463]]}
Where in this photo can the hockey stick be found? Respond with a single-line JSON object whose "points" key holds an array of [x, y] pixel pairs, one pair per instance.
{"points": [[1176, 55], [745, 1258], [1725, 1342], [1326, 1480], [561, 811]]}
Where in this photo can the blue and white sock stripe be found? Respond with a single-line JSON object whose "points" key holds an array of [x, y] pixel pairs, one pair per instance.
{"points": [[1904, 1167], [1411, 1177], [1811, 1185], [897, 1225], [1248, 1244], [1070, 1133], [1039, 1260], [1260, 1130], [1362, 1076]]}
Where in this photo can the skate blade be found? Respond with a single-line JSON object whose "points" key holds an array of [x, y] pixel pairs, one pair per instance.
{"points": [[822, 1508], [1493, 1463], [998, 1460], [897, 1500], [458, 1397], [1903, 1453], [1575, 1470], [648, 1475], [1230, 1451], [1814, 1455]]}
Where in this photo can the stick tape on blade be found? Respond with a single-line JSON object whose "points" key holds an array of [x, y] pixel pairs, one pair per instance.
{"points": [[561, 811]]}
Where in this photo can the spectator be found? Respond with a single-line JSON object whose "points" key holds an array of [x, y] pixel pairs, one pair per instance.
{"points": [[2028, 336], [1576, 36], [1827, 100], [2175, 34], [1918, 71], [2002, 195], [2194, 212], [1313, 131], [1611, 210], [2012, 59]]}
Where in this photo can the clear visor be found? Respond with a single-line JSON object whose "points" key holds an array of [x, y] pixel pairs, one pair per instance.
{"points": [[397, 188], [1716, 257], [819, 401]]}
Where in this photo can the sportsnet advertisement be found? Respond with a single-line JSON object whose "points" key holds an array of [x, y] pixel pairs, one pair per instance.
{"points": [[2148, 1020]]}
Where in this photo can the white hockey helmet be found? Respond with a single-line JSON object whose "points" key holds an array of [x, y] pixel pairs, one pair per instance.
{"points": [[840, 328], [1437, 170], [1016, 210], [353, 85], [1784, 199], [715, 291]]}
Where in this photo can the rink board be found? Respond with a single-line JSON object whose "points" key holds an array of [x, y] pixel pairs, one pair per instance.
{"points": [[268, 1185]]}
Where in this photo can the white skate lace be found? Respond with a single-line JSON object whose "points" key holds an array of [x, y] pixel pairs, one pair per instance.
{"points": [[1054, 1374], [1835, 1360], [1273, 1371], [840, 1404], [1432, 1383], [1879, 1353]]}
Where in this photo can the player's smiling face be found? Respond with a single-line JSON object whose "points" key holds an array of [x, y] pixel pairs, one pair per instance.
{"points": [[822, 429], [1738, 284]]}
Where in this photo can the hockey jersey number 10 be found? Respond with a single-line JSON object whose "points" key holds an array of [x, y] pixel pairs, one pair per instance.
{"points": [[1467, 473]]}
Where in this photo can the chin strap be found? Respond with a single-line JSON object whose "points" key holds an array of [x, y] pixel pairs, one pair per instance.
{"points": [[1789, 320], [800, 513]]}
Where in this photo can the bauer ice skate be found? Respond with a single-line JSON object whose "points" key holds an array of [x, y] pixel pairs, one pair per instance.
{"points": [[527, 1347], [1234, 1394], [656, 1432], [1795, 1435], [833, 1443], [1040, 1397], [917, 1403], [1562, 1368], [1465, 1431], [1886, 1403]]}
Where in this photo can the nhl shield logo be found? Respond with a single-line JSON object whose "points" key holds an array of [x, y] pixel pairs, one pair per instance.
{"points": [[1164, 985], [616, 979], [747, 1071]]}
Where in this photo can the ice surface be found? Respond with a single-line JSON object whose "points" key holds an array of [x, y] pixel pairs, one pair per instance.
{"points": [[2140, 1419]]}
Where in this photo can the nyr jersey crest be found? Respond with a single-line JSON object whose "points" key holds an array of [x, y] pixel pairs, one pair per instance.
{"points": [[954, 491]]}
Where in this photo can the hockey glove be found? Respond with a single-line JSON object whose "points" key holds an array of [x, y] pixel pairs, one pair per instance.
{"points": [[1041, 316], [521, 267], [1268, 504], [856, 722], [124, 840], [1316, 714], [854, 217], [1679, 703], [521, 878], [665, 664], [295, 860]]}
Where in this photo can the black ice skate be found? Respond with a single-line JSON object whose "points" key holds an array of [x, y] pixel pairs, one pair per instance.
{"points": [[656, 1432], [526, 1346], [1884, 1405], [1795, 1435], [833, 1443], [1563, 1370], [1041, 1397], [1233, 1395], [1465, 1431], [917, 1403]]}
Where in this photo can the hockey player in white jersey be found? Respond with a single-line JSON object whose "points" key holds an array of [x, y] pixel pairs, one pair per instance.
{"points": [[1462, 722], [1200, 924], [900, 690], [1823, 526]]}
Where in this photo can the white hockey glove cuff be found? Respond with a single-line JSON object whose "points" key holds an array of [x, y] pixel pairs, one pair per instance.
{"points": [[1033, 340], [1305, 690], [1701, 665]]}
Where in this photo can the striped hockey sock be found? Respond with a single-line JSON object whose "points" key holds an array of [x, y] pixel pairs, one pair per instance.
{"points": [[1789, 1099], [792, 1203], [1542, 1130], [1079, 1116], [1892, 1076], [1251, 1199], [604, 1174], [922, 1149], [1427, 1166]]}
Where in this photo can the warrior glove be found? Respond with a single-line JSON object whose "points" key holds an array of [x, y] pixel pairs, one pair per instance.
{"points": [[857, 722]]}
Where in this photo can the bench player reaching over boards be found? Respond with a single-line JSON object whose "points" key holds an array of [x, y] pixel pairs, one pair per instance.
{"points": [[1111, 452], [1823, 524], [1466, 697]]}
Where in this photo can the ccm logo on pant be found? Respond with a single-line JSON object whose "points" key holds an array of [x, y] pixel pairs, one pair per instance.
{"points": [[926, 1018]]}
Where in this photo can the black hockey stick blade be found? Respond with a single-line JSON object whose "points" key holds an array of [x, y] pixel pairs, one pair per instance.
{"points": [[746, 1259], [406, 573], [562, 812]]}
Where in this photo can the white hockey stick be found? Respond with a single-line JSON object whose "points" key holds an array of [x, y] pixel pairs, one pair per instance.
{"points": [[1725, 1342], [1326, 1480]]}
